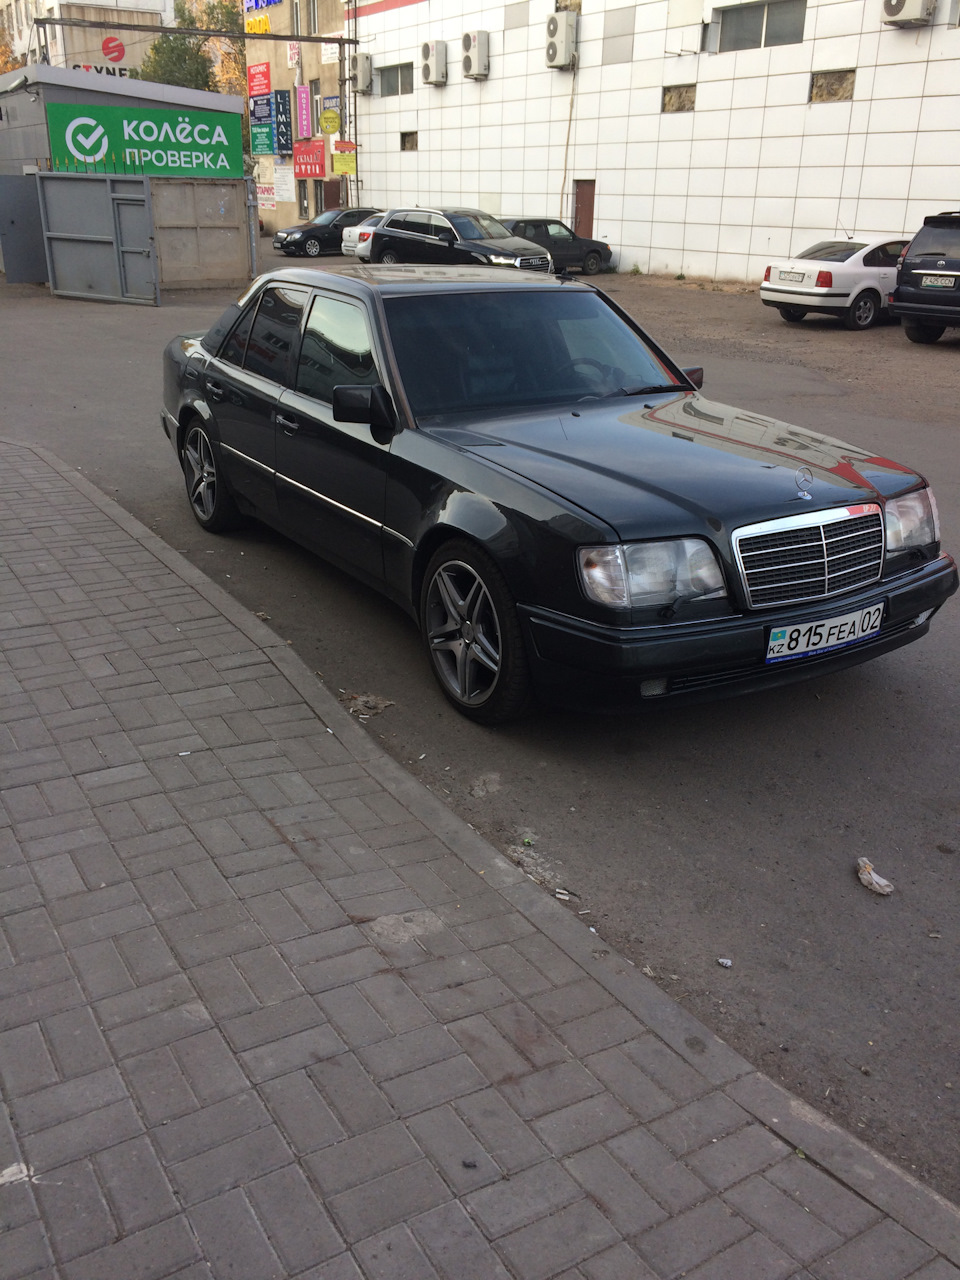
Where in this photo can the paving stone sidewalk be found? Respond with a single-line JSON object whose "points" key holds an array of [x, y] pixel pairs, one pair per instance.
{"points": [[268, 1009]]}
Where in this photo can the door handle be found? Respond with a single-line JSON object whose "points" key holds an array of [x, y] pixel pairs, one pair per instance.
{"points": [[290, 425], [214, 390]]}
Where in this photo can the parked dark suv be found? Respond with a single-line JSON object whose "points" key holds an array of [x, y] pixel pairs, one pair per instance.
{"points": [[453, 238], [927, 296]]}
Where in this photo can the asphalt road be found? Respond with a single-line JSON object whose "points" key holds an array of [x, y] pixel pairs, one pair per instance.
{"points": [[726, 830]]}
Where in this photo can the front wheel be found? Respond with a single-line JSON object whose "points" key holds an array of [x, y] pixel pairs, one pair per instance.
{"points": [[210, 501], [862, 311], [792, 315], [311, 248], [591, 264], [470, 625], [389, 258], [924, 333]]}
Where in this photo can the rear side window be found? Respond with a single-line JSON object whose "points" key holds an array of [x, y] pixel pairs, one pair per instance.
{"points": [[336, 349], [274, 331], [937, 242], [235, 346]]}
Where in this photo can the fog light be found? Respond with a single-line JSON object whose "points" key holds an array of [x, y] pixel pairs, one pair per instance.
{"points": [[653, 688], [921, 618]]}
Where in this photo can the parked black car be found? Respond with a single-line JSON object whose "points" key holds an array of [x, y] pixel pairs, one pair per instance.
{"points": [[321, 234], [927, 296], [453, 238], [510, 458], [565, 247]]}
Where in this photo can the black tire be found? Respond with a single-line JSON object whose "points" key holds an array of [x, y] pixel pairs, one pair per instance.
{"points": [[591, 264], [389, 257], [792, 315], [311, 247], [924, 333], [470, 626], [864, 311], [210, 501]]}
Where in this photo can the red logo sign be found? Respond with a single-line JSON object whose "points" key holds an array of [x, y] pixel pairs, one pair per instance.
{"points": [[113, 49], [258, 79], [309, 159], [344, 146]]}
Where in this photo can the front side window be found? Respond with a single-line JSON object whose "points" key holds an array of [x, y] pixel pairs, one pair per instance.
{"points": [[336, 349], [558, 231], [274, 331], [758, 26]]}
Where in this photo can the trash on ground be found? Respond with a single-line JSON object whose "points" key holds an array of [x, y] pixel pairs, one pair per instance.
{"points": [[648, 971], [565, 894], [724, 964], [869, 877], [366, 704]]}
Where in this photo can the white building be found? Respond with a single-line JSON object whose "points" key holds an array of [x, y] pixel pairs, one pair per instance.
{"points": [[708, 139], [101, 52]]}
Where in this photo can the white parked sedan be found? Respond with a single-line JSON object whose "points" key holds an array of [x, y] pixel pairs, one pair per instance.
{"points": [[850, 279], [357, 238]]}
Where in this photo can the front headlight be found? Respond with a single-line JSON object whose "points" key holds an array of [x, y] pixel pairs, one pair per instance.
{"points": [[912, 521], [639, 575], [294, 235], [501, 260]]}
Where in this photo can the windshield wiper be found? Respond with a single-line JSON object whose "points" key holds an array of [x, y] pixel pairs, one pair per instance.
{"points": [[642, 391]]}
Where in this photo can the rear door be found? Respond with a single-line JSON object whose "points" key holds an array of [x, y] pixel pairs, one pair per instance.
{"points": [[242, 386], [331, 476]]}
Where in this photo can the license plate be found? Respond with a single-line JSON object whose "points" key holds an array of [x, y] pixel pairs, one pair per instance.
{"points": [[936, 282], [791, 275], [820, 637]]}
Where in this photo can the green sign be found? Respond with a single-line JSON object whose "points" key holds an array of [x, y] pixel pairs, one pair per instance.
{"points": [[160, 144], [261, 139]]}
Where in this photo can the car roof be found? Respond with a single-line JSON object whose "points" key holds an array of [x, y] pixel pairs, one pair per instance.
{"points": [[445, 209], [367, 279]]}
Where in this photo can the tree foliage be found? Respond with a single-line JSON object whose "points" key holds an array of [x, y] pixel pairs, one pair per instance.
{"points": [[7, 60], [199, 62]]}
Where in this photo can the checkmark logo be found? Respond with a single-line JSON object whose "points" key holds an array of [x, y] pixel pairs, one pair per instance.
{"points": [[87, 140]]}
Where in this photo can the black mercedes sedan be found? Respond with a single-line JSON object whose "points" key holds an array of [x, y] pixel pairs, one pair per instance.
{"points": [[321, 234], [515, 462]]}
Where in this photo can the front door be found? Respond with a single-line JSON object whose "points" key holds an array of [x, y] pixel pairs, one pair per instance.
{"points": [[584, 193]]}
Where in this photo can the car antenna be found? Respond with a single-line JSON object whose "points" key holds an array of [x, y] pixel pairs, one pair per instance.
{"points": [[848, 234]]}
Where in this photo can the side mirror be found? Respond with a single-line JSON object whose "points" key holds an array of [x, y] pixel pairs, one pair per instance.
{"points": [[358, 402], [447, 238], [694, 375]]}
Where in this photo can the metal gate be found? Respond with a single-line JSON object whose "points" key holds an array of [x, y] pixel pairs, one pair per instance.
{"points": [[98, 237]]}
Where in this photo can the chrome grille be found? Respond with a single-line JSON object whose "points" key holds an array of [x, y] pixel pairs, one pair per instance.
{"points": [[810, 557], [534, 264]]}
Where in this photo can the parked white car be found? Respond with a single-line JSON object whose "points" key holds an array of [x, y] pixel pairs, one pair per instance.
{"points": [[850, 279], [356, 240]]}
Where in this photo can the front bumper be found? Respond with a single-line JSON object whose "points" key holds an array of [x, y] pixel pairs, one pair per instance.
{"points": [[580, 663]]}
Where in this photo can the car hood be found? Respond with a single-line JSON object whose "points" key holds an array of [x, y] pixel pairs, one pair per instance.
{"points": [[507, 244], [672, 463], [303, 226]]}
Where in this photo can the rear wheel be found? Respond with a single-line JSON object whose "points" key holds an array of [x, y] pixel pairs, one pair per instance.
{"points": [[923, 332], [311, 248], [389, 257], [792, 315], [210, 501], [591, 264], [862, 311], [472, 632]]}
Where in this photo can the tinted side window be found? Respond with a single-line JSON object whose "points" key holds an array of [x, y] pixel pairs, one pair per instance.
{"points": [[236, 344], [274, 331], [419, 223], [336, 349], [399, 223]]}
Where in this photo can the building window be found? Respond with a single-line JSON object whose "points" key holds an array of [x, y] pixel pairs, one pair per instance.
{"points": [[396, 80], [408, 141], [679, 97], [758, 26], [314, 18], [303, 200], [297, 29], [832, 86], [316, 105]]}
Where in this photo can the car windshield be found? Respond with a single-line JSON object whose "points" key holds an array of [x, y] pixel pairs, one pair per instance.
{"points": [[478, 226], [939, 242], [833, 250], [324, 219], [460, 353]]}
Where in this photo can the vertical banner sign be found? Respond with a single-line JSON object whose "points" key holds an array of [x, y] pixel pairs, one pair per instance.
{"points": [[283, 122], [304, 129], [258, 79], [261, 125], [130, 139]]}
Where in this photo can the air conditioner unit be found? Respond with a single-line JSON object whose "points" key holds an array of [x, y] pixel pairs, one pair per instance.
{"points": [[561, 39], [433, 55], [361, 72], [476, 55], [907, 13]]}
